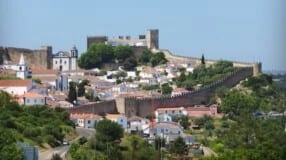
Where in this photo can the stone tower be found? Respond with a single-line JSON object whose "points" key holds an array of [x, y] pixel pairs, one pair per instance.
{"points": [[74, 55], [257, 69], [152, 38]]}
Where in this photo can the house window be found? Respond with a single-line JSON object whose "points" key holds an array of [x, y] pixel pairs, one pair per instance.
{"points": [[121, 120], [179, 132], [162, 130], [56, 62], [61, 61], [20, 68], [65, 62], [166, 112], [173, 111], [180, 111], [88, 121], [42, 100], [35, 100], [28, 101]]}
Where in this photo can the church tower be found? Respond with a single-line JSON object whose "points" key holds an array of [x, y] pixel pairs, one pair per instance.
{"points": [[73, 58], [23, 69]]}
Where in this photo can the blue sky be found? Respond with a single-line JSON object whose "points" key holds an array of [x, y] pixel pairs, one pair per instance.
{"points": [[245, 30]]}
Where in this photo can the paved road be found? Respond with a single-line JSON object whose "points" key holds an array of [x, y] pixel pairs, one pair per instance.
{"points": [[62, 150]]}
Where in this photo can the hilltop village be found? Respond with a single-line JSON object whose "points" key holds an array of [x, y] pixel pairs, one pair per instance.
{"points": [[146, 90]]}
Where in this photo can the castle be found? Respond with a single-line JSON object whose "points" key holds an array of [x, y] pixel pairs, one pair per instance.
{"points": [[150, 40]]}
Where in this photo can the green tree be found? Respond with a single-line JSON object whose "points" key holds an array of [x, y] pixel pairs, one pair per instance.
{"points": [[108, 131], [81, 89], [96, 55], [8, 148], [236, 103], [145, 57], [203, 60], [72, 92], [158, 58], [56, 157], [130, 63], [166, 89], [178, 147], [183, 120], [122, 52]]}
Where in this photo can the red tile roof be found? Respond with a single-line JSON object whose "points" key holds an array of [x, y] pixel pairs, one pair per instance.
{"points": [[18, 83]]}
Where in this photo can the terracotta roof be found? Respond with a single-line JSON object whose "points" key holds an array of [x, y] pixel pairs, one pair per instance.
{"points": [[85, 116], [180, 90], [135, 118], [47, 78], [198, 109], [10, 83], [112, 116], [170, 109], [33, 95], [166, 124]]}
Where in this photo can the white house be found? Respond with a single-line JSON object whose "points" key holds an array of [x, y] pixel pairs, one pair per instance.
{"points": [[137, 124], [32, 98], [131, 74], [169, 131], [119, 119], [16, 87], [163, 117], [175, 111], [64, 104], [179, 91], [85, 120]]}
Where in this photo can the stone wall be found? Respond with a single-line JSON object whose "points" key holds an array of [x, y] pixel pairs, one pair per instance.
{"points": [[144, 107], [40, 58], [97, 108]]}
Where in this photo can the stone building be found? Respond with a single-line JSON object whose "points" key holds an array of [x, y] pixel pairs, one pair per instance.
{"points": [[150, 40], [65, 61]]}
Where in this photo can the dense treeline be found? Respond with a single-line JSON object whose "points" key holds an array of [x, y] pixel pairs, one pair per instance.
{"points": [[37, 125], [244, 134], [100, 53], [204, 75]]}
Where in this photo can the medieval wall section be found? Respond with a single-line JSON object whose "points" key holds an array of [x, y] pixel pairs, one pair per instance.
{"points": [[97, 108], [40, 58], [145, 107]]}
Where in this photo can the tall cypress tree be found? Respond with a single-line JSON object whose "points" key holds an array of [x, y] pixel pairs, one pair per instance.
{"points": [[203, 59], [72, 92]]}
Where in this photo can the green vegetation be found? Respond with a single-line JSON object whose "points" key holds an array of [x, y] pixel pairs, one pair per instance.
{"points": [[7, 77], [204, 75], [72, 92], [147, 57], [166, 89], [110, 143], [241, 134], [98, 54], [37, 125], [183, 120]]}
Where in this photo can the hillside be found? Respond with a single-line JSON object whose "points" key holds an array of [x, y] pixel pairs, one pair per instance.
{"points": [[37, 125]]}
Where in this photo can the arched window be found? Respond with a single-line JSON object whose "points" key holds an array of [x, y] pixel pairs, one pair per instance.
{"points": [[61, 61], [20, 68]]}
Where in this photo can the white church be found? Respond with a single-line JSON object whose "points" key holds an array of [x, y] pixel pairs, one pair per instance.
{"points": [[66, 61]]}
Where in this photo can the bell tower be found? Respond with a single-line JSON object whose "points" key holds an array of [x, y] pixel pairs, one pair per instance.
{"points": [[23, 69], [73, 58]]}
